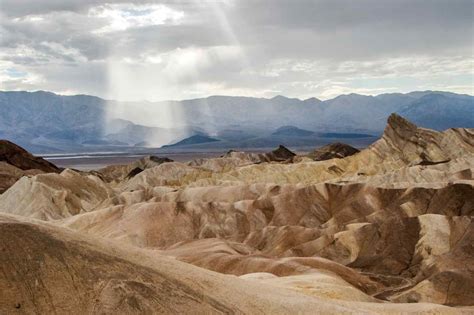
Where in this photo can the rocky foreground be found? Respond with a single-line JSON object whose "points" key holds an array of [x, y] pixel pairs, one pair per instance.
{"points": [[334, 231]]}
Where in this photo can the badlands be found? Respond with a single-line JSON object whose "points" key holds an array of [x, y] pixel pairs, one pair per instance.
{"points": [[387, 230]]}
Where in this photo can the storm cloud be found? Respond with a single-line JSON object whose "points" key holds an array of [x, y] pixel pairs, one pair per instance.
{"points": [[160, 50]]}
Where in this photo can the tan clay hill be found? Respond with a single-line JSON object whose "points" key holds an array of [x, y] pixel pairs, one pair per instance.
{"points": [[250, 233]]}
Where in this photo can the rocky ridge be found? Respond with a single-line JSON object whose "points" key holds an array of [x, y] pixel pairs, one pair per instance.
{"points": [[16, 162], [332, 151]]}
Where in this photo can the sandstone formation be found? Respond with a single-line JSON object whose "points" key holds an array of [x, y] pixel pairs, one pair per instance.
{"points": [[362, 233], [280, 154], [16, 162], [70, 273], [22, 159], [54, 196], [126, 171]]}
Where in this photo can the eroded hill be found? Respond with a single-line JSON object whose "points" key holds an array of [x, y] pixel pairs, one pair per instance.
{"points": [[361, 232]]}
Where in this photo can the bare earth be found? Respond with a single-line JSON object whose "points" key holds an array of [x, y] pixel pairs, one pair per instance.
{"points": [[385, 230]]}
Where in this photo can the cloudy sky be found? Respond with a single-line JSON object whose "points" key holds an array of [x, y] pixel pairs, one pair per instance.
{"points": [[157, 50]]}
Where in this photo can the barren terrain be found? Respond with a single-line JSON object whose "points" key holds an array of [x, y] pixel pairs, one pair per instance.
{"points": [[385, 230]]}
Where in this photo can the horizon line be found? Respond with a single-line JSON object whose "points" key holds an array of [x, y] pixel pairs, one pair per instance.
{"points": [[235, 96]]}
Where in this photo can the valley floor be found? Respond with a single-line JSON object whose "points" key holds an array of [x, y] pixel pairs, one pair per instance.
{"points": [[94, 161]]}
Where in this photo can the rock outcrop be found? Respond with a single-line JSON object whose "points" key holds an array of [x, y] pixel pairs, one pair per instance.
{"points": [[22, 159], [235, 159], [333, 151], [16, 162], [280, 154], [54, 196], [127, 171]]}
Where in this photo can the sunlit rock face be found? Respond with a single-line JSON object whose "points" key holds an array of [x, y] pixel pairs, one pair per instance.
{"points": [[54, 196], [363, 232]]}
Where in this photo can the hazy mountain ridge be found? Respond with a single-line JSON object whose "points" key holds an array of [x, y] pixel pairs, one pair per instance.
{"points": [[44, 121], [440, 111]]}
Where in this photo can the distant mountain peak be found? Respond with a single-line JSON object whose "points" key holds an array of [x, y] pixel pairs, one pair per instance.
{"points": [[356, 95], [281, 98], [347, 98], [312, 100]]}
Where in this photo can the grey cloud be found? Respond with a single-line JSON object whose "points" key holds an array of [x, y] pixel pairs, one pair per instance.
{"points": [[296, 47], [162, 38], [330, 15], [355, 28], [16, 8]]}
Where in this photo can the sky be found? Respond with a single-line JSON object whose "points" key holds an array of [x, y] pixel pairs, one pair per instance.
{"points": [[163, 50]]}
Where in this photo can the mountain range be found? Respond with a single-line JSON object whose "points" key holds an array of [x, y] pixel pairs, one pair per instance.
{"points": [[45, 122]]}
